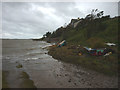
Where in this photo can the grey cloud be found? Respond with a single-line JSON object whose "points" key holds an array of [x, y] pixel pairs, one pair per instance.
{"points": [[32, 20]]}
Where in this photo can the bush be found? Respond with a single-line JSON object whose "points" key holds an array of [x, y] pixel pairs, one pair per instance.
{"points": [[95, 42]]}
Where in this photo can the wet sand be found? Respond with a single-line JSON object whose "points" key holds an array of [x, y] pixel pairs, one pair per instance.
{"points": [[40, 70]]}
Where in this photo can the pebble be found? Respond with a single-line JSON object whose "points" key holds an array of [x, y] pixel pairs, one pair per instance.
{"points": [[69, 80], [90, 84], [75, 84], [66, 74], [60, 75]]}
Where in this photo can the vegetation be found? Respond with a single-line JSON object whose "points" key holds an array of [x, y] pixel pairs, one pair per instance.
{"points": [[92, 31], [93, 26], [107, 65], [19, 66]]}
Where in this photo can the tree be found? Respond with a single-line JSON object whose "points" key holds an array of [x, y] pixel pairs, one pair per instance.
{"points": [[99, 15], [44, 35], [95, 13], [47, 34]]}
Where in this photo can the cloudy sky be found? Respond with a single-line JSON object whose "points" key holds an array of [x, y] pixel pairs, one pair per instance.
{"points": [[25, 20]]}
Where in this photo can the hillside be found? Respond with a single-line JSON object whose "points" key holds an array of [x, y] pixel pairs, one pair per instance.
{"points": [[90, 32], [93, 31]]}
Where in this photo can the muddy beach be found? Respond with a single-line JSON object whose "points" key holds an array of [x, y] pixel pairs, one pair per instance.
{"points": [[26, 64]]}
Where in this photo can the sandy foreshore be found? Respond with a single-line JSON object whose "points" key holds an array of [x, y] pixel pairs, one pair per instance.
{"points": [[31, 66], [63, 75]]}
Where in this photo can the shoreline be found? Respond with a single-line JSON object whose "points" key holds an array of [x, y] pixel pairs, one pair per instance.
{"points": [[41, 69], [107, 66]]}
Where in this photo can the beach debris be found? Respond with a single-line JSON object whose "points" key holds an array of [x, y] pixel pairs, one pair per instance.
{"points": [[63, 43], [80, 53], [110, 44], [88, 49], [108, 53], [99, 51]]}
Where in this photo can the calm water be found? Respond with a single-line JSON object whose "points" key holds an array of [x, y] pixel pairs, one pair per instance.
{"points": [[42, 71]]}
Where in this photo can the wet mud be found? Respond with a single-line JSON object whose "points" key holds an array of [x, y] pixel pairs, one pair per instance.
{"points": [[26, 64]]}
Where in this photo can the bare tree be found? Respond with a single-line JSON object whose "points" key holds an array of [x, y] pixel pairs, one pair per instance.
{"points": [[95, 13]]}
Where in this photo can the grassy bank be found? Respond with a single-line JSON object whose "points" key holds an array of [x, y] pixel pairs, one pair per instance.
{"points": [[90, 32], [70, 54]]}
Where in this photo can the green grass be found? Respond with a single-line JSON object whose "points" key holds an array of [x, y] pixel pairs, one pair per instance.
{"points": [[100, 64], [102, 30], [94, 34]]}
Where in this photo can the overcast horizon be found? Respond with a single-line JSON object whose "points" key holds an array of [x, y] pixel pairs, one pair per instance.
{"points": [[24, 20]]}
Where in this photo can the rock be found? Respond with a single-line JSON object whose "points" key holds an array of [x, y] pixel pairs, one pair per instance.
{"points": [[60, 75], [82, 79], [19, 66], [66, 74], [69, 80], [90, 84], [75, 84]]}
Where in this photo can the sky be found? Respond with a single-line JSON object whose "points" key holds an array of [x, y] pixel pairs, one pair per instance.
{"points": [[25, 20]]}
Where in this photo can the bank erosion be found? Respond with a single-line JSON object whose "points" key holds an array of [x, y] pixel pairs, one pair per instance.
{"points": [[86, 40]]}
